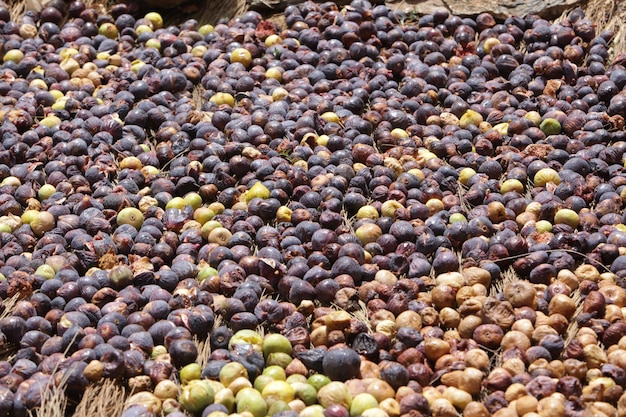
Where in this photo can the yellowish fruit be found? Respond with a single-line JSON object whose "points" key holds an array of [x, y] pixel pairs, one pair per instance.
{"points": [[466, 174], [217, 207], [330, 116], [153, 43], [389, 208], [490, 43], [42, 223], [512, 185], [220, 235], [283, 214], [367, 212], [50, 121], [223, 98], [470, 117], [398, 133], [199, 51], [203, 214], [143, 29], [273, 40], [457, 218], [368, 233], [258, 190], [566, 216], [136, 65], [131, 162], [543, 226], [434, 205], [130, 215], [534, 117], [155, 18], [275, 73], [208, 227], [193, 199], [241, 55], [278, 391], [29, 215], [109, 30], [14, 55], [279, 93], [38, 84], [205, 29], [45, 191], [176, 202], [546, 175]]}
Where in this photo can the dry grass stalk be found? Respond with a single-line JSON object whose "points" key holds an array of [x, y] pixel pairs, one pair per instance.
{"points": [[572, 329], [9, 305], [204, 350], [609, 15], [497, 287], [104, 399], [208, 12], [198, 96], [17, 9], [53, 401], [359, 313]]}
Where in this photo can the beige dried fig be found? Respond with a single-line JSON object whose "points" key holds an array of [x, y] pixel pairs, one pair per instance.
{"points": [[498, 312], [595, 356], [477, 358], [520, 293], [468, 324], [562, 304], [476, 409], [514, 338], [410, 319], [586, 271], [472, 380], [475, 275], [435, 348]]}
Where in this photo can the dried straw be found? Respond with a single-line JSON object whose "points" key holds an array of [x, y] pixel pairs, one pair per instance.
{"points": [[9, 305], [606, 15], [572, 329], [204, 350], [53, 401], [609, 15], [209, 12], [17, 9], [498, 286], [103, 399]]}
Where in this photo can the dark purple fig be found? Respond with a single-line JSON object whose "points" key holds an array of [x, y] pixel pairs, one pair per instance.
{"points": [[113, 362], [133, 363], [243, 320], [183, 352], [341, 364], [445, 261], [6, 401], [269, 310], [13, 328], [220, 336], [394, 374], [157, 370], [300, 290]]}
